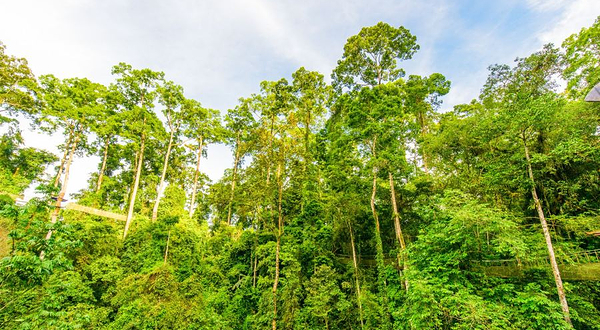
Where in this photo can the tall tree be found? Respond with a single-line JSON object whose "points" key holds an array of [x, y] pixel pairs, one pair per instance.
{"points": [[310, 97], [171, 97], [204, 127], [370, 59], [281, 144], [107, 127], [524, 97], [71, 104], [139, 91], [18, 86], [240, 123], [423, 97], [311, 94], [582, 60]]}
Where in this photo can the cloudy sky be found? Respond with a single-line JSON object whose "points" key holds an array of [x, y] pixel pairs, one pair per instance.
{"points": [[221, 50]]}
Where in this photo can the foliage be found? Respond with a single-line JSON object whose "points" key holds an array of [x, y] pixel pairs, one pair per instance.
{"points": [[355, 205]]}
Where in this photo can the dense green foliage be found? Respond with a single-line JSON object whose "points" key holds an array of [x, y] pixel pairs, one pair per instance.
{"points": [[351, 206]]}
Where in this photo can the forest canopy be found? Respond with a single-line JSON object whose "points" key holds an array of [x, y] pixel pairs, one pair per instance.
{"points": [[355, 204]]}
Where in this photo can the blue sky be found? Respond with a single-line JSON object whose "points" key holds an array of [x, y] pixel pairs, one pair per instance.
{"points": [[221, 50]]}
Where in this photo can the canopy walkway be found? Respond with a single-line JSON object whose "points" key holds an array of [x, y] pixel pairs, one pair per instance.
{"points": [[93, 211], [579, 266]]}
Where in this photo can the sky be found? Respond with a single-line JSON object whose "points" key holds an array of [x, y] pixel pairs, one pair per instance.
{"points": [[220, 51]]}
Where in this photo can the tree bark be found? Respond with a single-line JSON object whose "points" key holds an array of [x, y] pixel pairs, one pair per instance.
{"points": [[196, 176], [234, 177], [255, 262], [63, 190], [307, 135], [136, 184], [161, 184], [275, 283], [355, 264], [374, 210], [270, 150], [254, 269], [423, 124], [103, 167], [63, 159], [279, 234], [538, 206], [402, 253], [379, 245], [307, 160]]}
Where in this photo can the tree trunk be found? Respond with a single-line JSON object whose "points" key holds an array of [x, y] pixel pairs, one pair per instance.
{"points": [[379, 246], [161, 184], [421, 120], [136, 184], [63, 159], [103, 167], [538, 206], [234, 177], [254, 269], [255, 262], [402, 253], [270, 149], [307, 135], [307, 162], [374, 211], [355, 264], [196, 176], [279, 234], [275, 283], [63, 190]]}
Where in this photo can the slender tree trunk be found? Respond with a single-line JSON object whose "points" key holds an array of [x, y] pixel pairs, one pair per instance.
{"points": [[63, 190], [63, 159], [130, 188], [355, 264], [136, 184], [270, 149], [538, 206], [379, 245], [399, 236], [254, 269], [374, 210], [161, 184], [421, 118], [196, 176], [234, 177], [307, 162], [103, 167], [279, 234], [275, 283], [255, 262], [307, 135]]}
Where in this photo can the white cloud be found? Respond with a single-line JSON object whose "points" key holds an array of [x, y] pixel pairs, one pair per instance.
{"points": [[574, 15], [546, 5]]}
